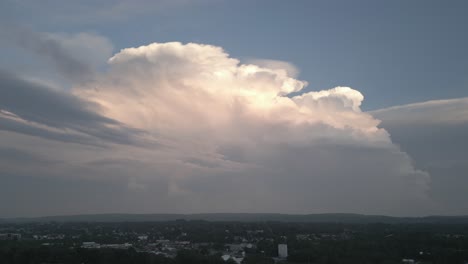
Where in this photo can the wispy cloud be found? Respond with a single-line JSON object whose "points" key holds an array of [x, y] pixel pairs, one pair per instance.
{"points": [[449, 111], [35, 109]]}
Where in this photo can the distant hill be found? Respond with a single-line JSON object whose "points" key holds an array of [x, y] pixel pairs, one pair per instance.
{"points": [[245, 217]]}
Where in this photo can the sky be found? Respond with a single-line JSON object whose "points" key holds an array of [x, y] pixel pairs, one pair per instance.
{"points": [[205, 106]]}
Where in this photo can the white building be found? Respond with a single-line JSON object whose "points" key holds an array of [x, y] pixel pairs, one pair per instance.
{"points": [[238, 260], [90, 245], [282, 250]]}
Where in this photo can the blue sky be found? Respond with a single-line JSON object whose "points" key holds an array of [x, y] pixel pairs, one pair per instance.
{"points": [[173, 127], [395, 52]]}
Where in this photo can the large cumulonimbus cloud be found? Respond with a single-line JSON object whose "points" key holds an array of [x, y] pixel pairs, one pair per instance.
{"points": [[230, 138], [242, 144]]}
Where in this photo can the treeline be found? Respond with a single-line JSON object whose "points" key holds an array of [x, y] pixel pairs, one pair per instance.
{"points": [[367, 248]]}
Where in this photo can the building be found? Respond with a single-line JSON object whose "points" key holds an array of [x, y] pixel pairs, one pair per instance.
{"points": [[10, 236], [238, 260], [90, 245], [117, 246], [282, 250]]}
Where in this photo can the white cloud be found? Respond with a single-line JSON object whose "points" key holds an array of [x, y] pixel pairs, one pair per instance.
{"points": [[234, 141], [238, 117], [450, 111], [290, 68]]}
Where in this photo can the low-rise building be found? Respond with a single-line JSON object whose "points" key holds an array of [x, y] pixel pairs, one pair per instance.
{"points": [[282, 250]]}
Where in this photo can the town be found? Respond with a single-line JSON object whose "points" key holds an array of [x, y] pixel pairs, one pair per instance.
{"points": [[198, 241]]}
